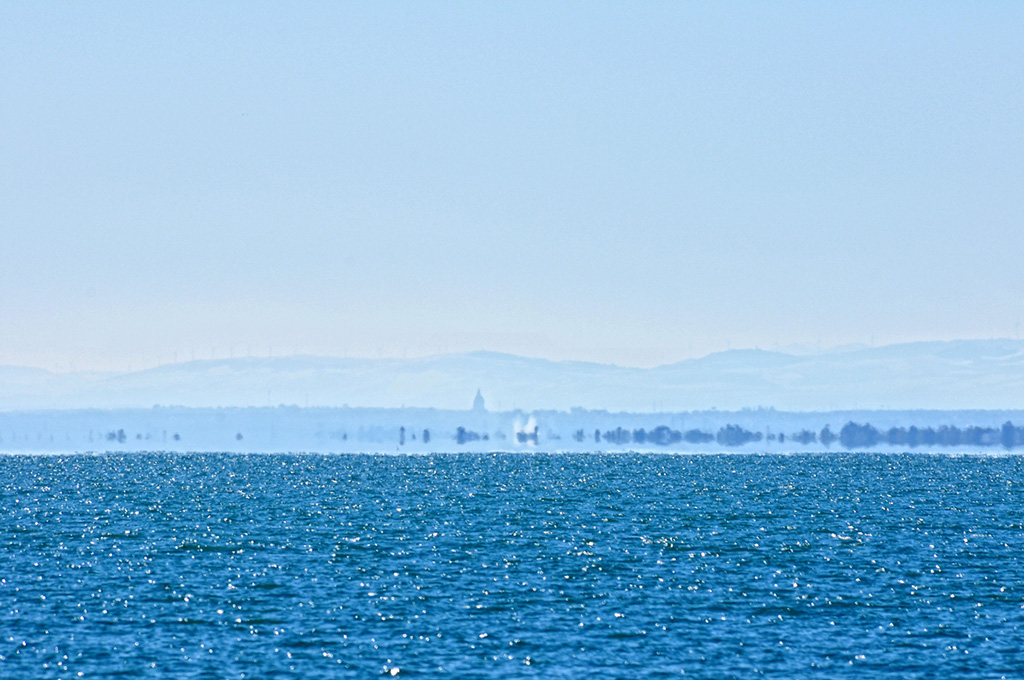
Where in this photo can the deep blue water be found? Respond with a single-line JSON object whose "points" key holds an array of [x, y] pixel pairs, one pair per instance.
{"points": [[501, 566]]}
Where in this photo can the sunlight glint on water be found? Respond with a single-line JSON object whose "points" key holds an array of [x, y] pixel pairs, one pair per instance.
{"points": [[511, 566]]}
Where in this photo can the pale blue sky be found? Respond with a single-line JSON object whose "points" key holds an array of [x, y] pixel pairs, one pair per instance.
{"points": [[632, 183]]}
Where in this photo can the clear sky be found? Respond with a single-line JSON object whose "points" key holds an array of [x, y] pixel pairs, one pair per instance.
{"points": [[624, 182]]}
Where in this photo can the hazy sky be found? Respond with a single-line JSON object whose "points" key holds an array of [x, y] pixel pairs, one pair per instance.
{"points": [[631, 182]]}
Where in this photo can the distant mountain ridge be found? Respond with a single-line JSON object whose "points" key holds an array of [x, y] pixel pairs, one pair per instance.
{"points": [[944, 375]]}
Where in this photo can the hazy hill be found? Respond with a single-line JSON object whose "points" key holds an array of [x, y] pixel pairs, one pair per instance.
{"points": [[966, 374]]}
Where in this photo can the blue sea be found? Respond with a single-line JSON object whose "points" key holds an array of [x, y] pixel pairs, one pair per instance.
{"points": [[512, 565]]}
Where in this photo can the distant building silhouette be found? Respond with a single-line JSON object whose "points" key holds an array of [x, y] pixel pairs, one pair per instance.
{"points": [[478, 403]]}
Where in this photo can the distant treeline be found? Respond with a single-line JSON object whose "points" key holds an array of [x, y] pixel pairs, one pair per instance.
{"points": [[851, 436], [856, 436], [727, 435]]}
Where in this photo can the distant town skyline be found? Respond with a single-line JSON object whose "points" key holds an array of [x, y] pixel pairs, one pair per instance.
{"points": [[627, 184]]}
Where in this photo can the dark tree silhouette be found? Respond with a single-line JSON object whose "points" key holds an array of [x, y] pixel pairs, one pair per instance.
{"points": [[618, 436], [734, 435], [698, 437], [854, 436], [1007, 435]]}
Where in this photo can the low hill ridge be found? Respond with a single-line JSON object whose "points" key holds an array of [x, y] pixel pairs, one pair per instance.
{"points": [[944, 375]]}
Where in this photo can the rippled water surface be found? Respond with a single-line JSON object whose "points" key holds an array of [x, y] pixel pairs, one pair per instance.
{"points": [[211, 566]]}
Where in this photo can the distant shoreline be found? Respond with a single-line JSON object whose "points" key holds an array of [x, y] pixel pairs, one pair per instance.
{"points": [[419, 430]]}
